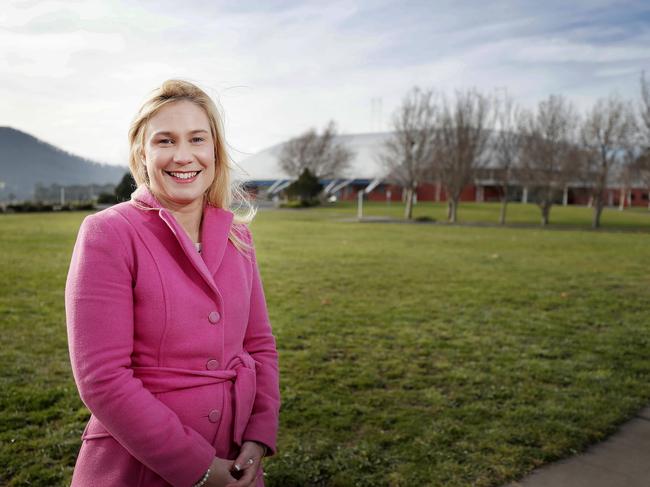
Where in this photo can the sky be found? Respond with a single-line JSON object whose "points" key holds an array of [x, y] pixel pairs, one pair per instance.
{"points": [[74, 72]]}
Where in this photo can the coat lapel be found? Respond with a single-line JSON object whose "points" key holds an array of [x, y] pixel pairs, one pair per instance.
{"points": [[214, 233]]}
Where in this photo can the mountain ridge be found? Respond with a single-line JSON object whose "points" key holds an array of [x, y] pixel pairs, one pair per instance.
{"points": [[40, 162]]}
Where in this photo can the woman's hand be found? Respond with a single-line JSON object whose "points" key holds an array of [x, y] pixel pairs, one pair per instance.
{"points": [[249, 461], [220, 475]]}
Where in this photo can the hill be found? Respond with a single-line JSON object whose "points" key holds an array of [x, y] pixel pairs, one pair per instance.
{"points": [[26, 161]]}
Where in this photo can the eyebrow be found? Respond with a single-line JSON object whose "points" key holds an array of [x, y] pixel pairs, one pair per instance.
{"points": [[166, 132]]}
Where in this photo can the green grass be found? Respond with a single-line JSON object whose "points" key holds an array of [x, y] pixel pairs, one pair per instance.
{"points": [[410, 354], [637, 218]]}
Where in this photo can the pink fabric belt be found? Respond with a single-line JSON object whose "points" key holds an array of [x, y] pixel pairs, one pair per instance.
{"points": [[240, 370]]}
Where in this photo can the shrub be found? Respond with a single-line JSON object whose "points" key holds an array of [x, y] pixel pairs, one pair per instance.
{"points": [[425, 219], [300, 204], [29, 206], [107, 198]]}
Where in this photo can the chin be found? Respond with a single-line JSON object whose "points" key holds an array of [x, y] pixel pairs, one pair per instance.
{"points": [[186, 199], [182, 197]]}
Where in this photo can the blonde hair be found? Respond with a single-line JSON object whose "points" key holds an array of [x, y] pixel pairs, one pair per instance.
{"points": [[223, 192]]}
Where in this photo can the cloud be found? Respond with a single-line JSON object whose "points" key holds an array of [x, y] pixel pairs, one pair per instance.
{"points": [[74, 73], [557, 50]]}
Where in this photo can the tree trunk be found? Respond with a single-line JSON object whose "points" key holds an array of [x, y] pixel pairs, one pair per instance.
{"points": [[504, 204], [408, 210], [621, 199], [546, 211], [453, 207], [598, 209]]}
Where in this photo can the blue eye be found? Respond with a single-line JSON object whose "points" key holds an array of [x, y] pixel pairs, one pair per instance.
{"points": [[198, 139], [164, 141]]}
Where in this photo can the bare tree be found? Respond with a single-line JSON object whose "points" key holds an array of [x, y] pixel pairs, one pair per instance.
{"points": [[606, 134], [461, 136], [407, 154], [550, 156], [644, 111], [506, 147], [642, 170], [642, 163], [320, 153]]}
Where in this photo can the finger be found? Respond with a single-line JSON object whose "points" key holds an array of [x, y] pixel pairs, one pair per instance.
{"points": [[248, 479], [243, 462], [260, 473]]}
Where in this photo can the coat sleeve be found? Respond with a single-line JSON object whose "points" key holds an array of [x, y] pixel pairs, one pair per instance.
{"points": [[99, 318], [260, 344]]}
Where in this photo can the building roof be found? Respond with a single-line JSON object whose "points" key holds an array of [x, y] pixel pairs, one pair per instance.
{"points": [[365, 163]]}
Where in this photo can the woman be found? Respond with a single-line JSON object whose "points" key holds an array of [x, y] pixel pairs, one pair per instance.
{"points": [[169, 336]]}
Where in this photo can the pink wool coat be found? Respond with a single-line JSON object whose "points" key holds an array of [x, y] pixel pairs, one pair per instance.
{"points": [[171, 349]]}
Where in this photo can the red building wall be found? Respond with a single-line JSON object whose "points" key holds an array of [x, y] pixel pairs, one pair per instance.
{"points": [[429, 192], [637, 197], [425, 192]]}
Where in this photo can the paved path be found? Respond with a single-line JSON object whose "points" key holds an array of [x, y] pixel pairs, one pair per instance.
{"points": [[623, 460]]}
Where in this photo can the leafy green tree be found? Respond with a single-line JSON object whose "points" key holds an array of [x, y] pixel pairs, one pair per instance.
{"points": [[306, 188], [107, 198], [124, 189]]}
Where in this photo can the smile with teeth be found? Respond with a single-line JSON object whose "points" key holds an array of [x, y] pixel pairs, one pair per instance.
{"points": [[182, 175]]}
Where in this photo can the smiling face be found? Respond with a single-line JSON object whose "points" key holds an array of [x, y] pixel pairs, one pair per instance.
{"points": [[179, 154]]}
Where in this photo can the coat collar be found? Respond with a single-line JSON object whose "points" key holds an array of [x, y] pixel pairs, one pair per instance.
{"points": [[215, 230]]}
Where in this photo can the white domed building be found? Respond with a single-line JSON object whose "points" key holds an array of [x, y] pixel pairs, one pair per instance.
{"points": [[264, 176]]}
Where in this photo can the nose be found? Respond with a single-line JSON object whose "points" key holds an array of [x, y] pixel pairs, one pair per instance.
{"points": [[183, 153]]}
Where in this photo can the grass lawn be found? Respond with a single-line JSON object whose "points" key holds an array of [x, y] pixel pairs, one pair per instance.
{"points": [[573, 217], [410, 354]]}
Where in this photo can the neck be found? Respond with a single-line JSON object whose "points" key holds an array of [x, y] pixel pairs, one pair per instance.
{"points": [[189, 216]]}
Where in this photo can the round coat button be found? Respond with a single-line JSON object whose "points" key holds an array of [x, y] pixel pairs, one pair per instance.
{"points": [[214, 415], [214, 316], [212, 364]]}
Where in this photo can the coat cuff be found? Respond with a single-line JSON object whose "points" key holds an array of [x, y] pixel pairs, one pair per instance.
{"points": [[201, 464], [261, 435]]}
